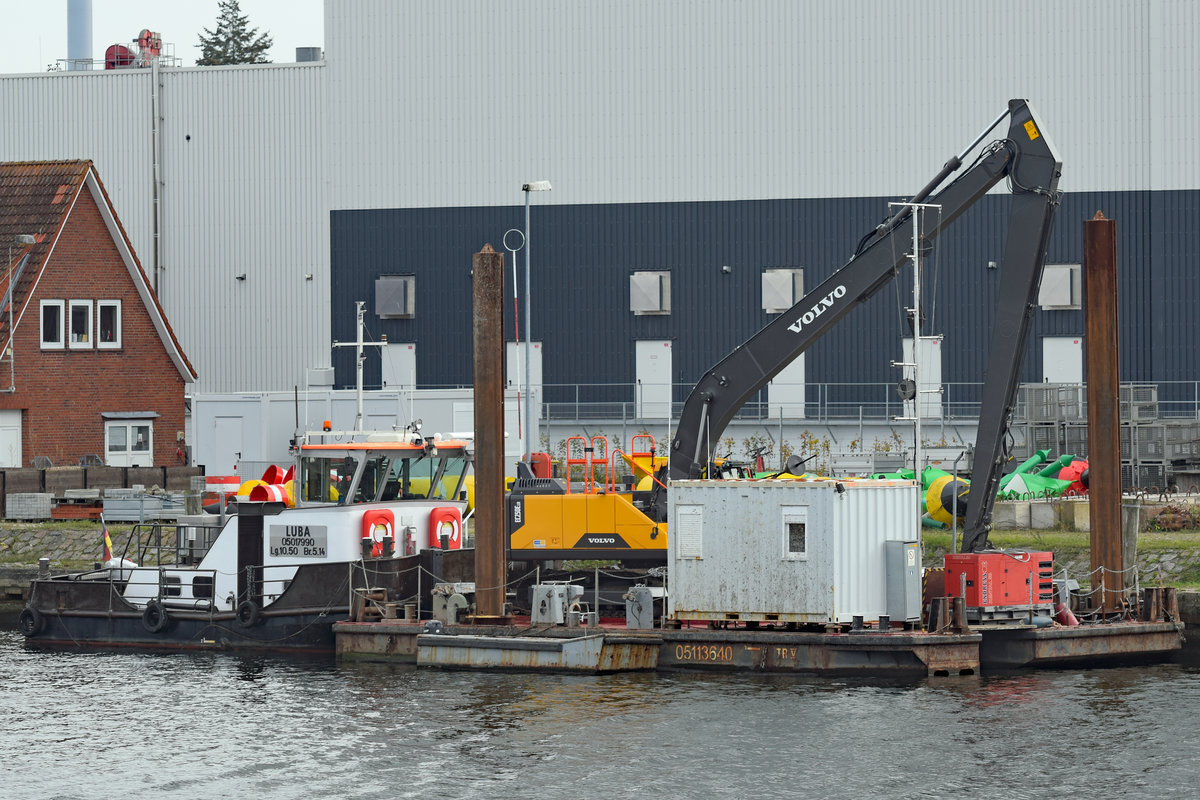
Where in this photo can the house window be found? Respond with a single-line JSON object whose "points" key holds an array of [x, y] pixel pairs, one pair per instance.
{"points": [[108, 329], [81, 324], [52, 324], [129, 443], [795, 533]]}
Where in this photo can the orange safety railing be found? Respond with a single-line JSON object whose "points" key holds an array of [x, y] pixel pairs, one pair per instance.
{"points": [[633, 456], [588, 455]]}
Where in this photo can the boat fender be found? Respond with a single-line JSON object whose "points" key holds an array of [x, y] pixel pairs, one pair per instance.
{"points": [[249, 614], [30, 621], [154, 618]]}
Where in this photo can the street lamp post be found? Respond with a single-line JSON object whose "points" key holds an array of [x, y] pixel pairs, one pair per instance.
{"points": [[536, 186]]}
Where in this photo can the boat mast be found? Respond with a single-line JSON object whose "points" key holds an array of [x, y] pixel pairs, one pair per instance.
{"points": [[358, 346]]}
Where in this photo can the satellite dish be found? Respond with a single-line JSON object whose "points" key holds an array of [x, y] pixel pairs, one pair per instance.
{"points": [[118, 56]]}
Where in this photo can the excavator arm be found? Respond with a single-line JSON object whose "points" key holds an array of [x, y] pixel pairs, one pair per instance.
{"points": [[1031, 165]]}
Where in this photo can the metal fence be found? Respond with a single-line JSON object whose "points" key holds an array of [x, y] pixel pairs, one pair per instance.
{"points": [[839, 402]]}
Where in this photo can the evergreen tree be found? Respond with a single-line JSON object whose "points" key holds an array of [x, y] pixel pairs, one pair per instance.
{"points": [[233, 42]]}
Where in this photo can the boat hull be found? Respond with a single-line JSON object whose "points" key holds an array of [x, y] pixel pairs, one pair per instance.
{"points": [[67, 611]]}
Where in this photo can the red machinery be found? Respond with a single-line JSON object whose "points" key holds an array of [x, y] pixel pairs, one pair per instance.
{"points": [[1001, 584]]}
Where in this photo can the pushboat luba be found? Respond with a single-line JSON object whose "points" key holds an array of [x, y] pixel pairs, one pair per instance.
{"points": [[369, 517]]}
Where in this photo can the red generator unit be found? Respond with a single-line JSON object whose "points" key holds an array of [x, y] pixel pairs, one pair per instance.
{"points": [[1003, 584]]}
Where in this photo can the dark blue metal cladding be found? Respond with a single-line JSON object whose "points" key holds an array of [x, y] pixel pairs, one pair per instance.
{"points": [[583, 257]]}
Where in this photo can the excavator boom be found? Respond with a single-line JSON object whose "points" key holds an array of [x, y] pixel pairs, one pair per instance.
{"points": [[1030, 163]]}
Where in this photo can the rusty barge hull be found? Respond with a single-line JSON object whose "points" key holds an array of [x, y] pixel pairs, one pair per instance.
{"points": [[893, 654], [1086, 645]]}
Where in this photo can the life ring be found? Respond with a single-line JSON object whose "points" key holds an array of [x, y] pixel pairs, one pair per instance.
{"points": [[248, 614], [154, 618], [377, 524], [30, 621], [448, 520]]}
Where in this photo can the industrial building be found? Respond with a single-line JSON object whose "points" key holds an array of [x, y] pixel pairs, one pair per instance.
{"points": [[708, 161]]}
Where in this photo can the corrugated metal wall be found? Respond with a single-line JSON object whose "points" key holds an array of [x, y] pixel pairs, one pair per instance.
{"points": [[583, 256], [245, 179], [458, 104], [104, 117], [679, 135], [243, 191]]}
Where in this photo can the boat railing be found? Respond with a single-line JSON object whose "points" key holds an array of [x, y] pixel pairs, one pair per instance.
{"points": [[156, 544], [262, 586]]}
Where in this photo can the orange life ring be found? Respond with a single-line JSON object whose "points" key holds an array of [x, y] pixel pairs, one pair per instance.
{"points": [[376, 524], [445, 519]]}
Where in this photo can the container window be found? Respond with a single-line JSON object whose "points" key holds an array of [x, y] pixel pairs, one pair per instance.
{"points": [[52, 324], [795, 533]]}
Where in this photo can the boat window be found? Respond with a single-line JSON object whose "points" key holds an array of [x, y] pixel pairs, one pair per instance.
{"points": [[171, 585], [202, 586], [453, 478], [326, 479], [372, 484]]}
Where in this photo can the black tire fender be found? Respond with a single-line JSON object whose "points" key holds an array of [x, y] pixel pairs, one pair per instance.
{"points": [[30, 621], [249, 613], [154, 618]]}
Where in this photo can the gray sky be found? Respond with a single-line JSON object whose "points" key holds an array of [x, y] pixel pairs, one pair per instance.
{"points": [[33, 33]]}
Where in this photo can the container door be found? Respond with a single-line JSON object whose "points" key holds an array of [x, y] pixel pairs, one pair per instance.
{"points": [[785, 392], [399, 365], [653, 389], [1062, 359], [930, 370], [227, 433]]}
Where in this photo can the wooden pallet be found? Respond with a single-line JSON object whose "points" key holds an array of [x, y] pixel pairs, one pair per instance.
{"points": [[76, 511]]}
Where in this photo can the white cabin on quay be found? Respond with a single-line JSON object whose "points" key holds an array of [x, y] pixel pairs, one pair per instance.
{"points": [[794, 551]]}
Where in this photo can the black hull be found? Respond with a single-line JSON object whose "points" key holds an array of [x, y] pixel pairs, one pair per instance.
{"points": [[69, 612]]}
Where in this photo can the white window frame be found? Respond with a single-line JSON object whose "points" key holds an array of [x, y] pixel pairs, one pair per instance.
{"points": [[60, 343], [129, 457], [116, 343], [86, 343], [788, 516]]}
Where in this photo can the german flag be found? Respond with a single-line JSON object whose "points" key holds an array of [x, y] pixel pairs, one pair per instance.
{"points": [[108, 551]]}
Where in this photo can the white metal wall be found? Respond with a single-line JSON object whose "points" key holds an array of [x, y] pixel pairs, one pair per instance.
{"points": [[244, 168], [628, 101], [104, 117], [458, 104], [243, 192]]}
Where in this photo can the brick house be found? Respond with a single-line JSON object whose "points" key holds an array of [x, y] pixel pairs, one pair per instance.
{"points": [[90, 369]]}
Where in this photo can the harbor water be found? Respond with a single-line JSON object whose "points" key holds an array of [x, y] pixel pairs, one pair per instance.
{"points": [[87, 724]]}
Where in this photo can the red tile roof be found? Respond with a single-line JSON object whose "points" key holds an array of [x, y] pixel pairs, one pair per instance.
{"points": [[35, 198]]}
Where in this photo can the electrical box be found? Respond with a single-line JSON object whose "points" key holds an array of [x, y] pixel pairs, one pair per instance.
{"points": [[550, 602], [1003, 579], [639, 608], [902, 562]]}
